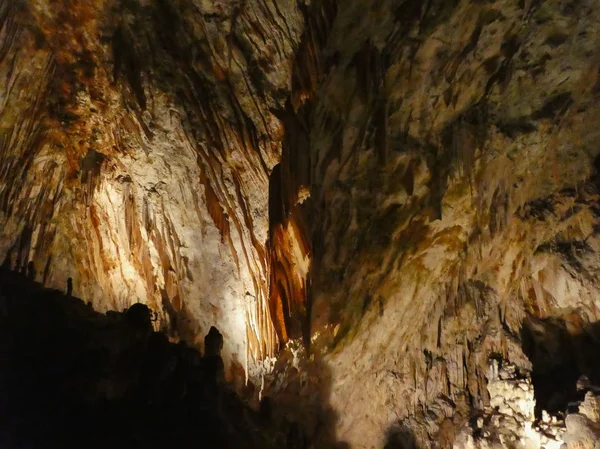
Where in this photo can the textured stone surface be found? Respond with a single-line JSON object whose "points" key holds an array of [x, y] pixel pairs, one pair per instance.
{"points": [[509, 419], [136, 145], [409, 186], [453, 194]]}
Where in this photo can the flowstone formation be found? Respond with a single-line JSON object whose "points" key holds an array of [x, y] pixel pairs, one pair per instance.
{"points": [[136, 143], [394, 193], [453, 203]]}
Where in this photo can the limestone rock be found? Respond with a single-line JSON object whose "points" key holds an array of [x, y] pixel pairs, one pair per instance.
{"points": [[136, 144], [583, 428], [407, 189], [509, 420]]}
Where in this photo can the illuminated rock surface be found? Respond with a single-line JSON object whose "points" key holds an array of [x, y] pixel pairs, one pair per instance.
{"points": [[137, 143], [409, 186]]}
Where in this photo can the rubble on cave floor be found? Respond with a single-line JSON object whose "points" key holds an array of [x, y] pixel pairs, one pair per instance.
{"points": [[510, 422]]}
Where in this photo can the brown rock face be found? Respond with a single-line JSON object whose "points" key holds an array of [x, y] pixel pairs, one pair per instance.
{"points": [[453, 193], [402, 185], [137, 140]]}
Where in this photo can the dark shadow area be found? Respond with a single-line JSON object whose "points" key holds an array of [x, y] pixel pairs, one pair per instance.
{"points": [[71, 377], [299, 409], [400, 438], [564, 354]]}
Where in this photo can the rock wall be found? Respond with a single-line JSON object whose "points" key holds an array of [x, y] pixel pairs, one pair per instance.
{"points": [[453, 194], [136, 144], [409, 187]]}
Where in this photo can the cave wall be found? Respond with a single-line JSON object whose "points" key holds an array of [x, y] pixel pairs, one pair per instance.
{"points": [[136, 144], [398, 184], [453, 194]]}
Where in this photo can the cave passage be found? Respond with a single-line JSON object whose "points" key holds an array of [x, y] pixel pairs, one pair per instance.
{"points": [[565, 361]]}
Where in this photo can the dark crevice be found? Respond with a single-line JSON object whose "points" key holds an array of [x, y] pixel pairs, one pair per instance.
{"points": [[554, 107], [563, 353]]}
